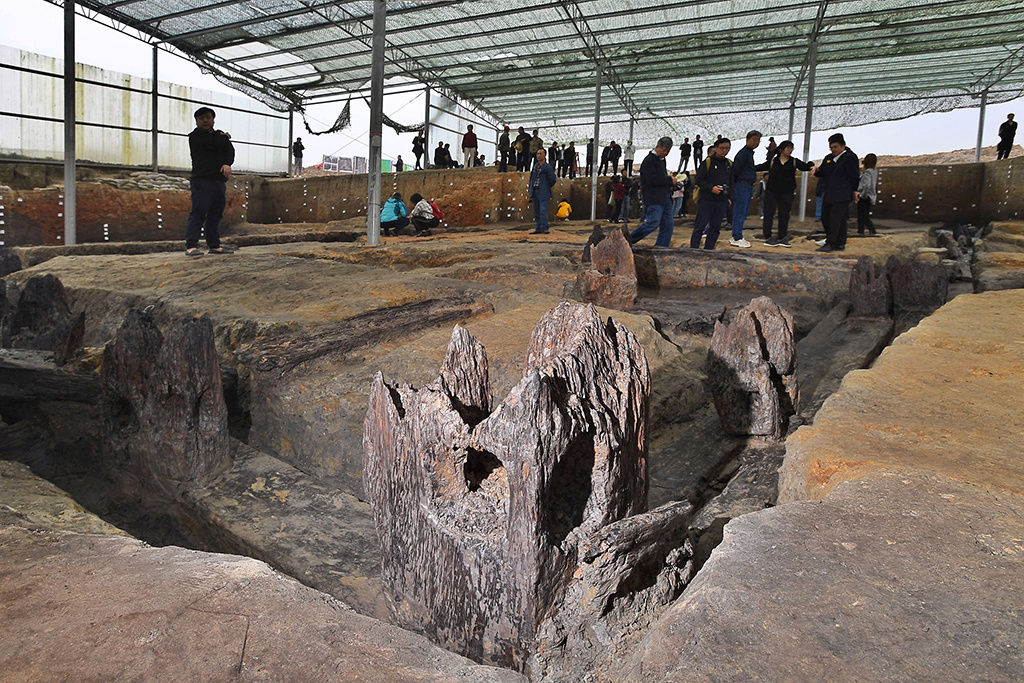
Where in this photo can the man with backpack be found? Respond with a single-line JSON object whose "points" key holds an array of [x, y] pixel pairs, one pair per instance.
{"points": [[713, 193]]}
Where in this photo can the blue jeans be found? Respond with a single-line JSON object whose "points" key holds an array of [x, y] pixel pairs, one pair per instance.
{"points": [[741, 196], [710, 213], [540, 214], [656, 217], [624, 212], [677, 204], [817, 208]]}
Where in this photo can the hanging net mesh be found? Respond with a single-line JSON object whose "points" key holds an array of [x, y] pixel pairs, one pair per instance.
{"points": [[676, 67]]}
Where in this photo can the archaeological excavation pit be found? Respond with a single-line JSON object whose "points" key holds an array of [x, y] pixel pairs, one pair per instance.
{"points": [[470, 459], [500, 444]]}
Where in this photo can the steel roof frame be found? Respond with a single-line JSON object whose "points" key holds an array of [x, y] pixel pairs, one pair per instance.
{"points": [[834, 29]]}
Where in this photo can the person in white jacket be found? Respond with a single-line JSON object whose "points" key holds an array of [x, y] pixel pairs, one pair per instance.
{"points": [[627, 159], [867, 191]]}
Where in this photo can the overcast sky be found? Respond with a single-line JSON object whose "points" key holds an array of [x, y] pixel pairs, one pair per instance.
{"points": [[36, 25]]}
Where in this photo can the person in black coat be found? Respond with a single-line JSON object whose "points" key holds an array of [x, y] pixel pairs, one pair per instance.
{"points": [[212, 157], [778, 193], [840, 173]]}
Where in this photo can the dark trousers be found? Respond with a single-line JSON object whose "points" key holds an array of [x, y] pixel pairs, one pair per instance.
{"points": [[697, 158], [394, 226], [835, 216], [781, 201], [615, 167], [208, 199], [864, 216], [523, 161], [417, 167], [627, 167], [604, 167], [503, 160], [613, 209], [1003, 149], [708, 223], [684, 162], [423, 223]]}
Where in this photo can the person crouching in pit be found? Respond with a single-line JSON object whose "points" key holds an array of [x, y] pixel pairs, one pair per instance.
{"points": [[422, 215], [393, 215], [212, 156]]}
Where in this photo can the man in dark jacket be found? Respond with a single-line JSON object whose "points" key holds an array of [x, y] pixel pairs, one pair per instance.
{"points": [[614, 154], [504, 145], [713, 178], [522, 149], [606, 155], [212, 156], [542, 179], [297, 149], [590, 158], [1007, 132], [743, 178], [684, 155], [569, 160], [698, 152], [440, 160], [840, 173], [656, 187]]}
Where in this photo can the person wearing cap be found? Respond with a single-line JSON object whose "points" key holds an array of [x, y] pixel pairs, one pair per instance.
{"points": [[504, 145], [839, 172], [656, 187], [743, 178], [212, 155]]}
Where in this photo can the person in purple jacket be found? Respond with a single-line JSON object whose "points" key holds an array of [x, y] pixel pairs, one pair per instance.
{"points": [[839, 171]]}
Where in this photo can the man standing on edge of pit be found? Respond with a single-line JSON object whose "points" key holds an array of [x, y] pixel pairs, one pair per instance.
{"points": [[839, 172], [212, 156], [743, 178], [656, 187], [297, 149], [469, 147]]}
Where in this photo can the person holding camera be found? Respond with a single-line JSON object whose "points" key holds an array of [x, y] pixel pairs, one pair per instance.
{"points": [[713, 195]]}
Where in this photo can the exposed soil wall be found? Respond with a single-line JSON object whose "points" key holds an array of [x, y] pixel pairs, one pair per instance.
{"points": [[969, 193]]}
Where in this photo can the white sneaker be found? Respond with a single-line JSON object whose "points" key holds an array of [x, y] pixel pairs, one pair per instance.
{"points": [[740, 243], [820, 243]]}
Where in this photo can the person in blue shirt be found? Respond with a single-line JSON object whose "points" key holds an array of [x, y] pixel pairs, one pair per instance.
{"points": [[656, 187], [542, 179], [743, 178], [393, 215]]}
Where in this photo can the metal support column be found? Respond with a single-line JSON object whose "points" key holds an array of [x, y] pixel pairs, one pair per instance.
{"points": [[288, 143], [631, 129], [597, 143], [70, 203], [808, 118], [376, 114], [981, 126], [426, 126], [792, 116], [155, 103]]}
